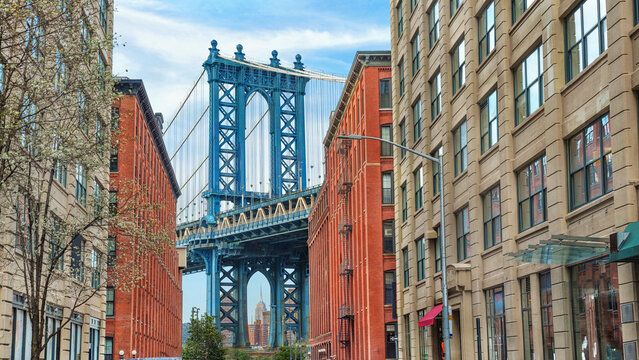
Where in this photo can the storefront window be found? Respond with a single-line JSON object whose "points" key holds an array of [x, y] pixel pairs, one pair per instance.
{"points": [[596, 322]]}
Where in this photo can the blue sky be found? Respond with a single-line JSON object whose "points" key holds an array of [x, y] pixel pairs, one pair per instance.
{"points": [[165, 42]]}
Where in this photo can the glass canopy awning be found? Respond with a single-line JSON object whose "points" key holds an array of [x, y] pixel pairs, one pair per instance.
{"points": [[562, 250]]}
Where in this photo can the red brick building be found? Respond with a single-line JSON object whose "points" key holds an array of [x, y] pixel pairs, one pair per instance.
{"points": [[351, 246], [148, 318]]}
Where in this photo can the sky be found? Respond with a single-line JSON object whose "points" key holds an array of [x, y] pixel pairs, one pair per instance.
{"points": [[164, 43]]}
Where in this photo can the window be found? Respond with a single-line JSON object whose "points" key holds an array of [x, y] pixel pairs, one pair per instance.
{"points": [[531, 191], [489, 126], [413, 4], [496, 324], [52, 350], [419, 187], [422, 334], [388, 235], [526, 315], [519, 7], [402, 137], [420, 245], [391, 341], [385, 98], [75, 341], [435, 166], [96, 264], [459, 66], [111, 248], [94, 342], [113, 161], [115, 118], [103, 14], [97, 201], [454, 5], [463, 236], [461, 151], [595, 310], [386, 134], [401, 77], [529, 87], [387, 187], [82, 121], [108, 348], [433, 21], [545, 288], [586, 36], [400, 19], [60, 174], [110, 297], [438, 251], [492, 217], [404, 204], [113, 203], [77, 261], [417, 120], [635, 10], [590, 154], [406, 267], [486, 31], [21, 335], [1, 77], [414, 44], [407, 345], [389, 287], [56, 255], [81, 184], [435, 96]]}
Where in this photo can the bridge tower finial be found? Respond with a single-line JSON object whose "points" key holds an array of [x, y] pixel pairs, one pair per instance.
{"points": [[239, 55], [299, 65], [213, 49], [274, 60]]}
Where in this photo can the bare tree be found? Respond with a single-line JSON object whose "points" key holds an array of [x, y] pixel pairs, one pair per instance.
{"points": [[56, 134]]}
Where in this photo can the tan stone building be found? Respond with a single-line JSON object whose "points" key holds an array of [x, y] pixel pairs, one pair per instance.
{"points": [[534, 106], [82, 334]]}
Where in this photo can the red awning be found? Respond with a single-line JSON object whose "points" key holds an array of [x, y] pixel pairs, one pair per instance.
{"points": [[429, 318]]}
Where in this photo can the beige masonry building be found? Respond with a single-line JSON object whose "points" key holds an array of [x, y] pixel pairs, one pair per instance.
{"points": [[82, 270], [534, 105]]}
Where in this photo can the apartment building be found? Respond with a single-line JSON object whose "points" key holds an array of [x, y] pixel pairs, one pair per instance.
{"points": [[148, 317], [533, 106], [351, 245], [72, 310]]}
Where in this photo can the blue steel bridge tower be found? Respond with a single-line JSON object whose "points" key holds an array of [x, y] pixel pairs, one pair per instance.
{"points": [[268, 235], [231, 82]]}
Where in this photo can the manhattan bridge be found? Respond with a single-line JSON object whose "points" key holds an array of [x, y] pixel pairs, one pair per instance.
{"points": [[246, 146]]}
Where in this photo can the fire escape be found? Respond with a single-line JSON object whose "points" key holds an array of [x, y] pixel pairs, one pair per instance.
{"points": [[344, 185]]}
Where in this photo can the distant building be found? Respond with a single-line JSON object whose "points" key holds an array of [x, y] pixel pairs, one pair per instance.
{"points": [[351, 227], [148, 319], [259, 330]]}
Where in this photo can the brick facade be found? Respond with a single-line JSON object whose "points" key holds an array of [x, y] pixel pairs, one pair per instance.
{"points": [[148, 318], [346, 258]]}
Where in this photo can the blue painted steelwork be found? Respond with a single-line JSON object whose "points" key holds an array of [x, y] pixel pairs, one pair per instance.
{"points": [[264, 232], [231, 82]]}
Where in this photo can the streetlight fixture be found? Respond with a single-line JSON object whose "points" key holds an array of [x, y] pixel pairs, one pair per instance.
{"points": [[134, 353], [442, 231], [121, 354]]}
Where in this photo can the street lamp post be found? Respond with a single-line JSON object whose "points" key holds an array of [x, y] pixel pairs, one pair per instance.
{"points": [[442, 232]]}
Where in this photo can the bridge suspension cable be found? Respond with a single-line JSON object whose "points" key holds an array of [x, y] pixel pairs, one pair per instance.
{"points": [[187, 137]]}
